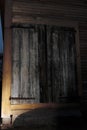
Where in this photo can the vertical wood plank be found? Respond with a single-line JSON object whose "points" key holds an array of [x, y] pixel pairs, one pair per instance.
{"points": [[15, 65], [49, 63], [42, 62], [36, 75], [6, 82], [23, 92], [56, 88], [33, 66]]}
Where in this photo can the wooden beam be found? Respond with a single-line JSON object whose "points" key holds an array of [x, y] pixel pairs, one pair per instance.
{"points": [[6, 82]]}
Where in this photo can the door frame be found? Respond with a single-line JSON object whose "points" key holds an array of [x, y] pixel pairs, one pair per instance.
{"points": [[7, 108]]}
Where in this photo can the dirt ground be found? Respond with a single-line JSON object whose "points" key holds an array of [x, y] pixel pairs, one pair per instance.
{"points": [[50, 119]]}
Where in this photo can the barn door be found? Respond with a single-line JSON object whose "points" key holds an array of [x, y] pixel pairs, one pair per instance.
{"points": [[43, 64], [25, 79], [61, 64]]}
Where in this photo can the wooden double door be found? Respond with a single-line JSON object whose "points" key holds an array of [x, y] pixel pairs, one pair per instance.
{"points": [[43, 64]]}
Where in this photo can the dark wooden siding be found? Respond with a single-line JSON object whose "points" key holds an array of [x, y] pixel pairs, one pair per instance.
{"points": [[68, 10], [83, 51]]}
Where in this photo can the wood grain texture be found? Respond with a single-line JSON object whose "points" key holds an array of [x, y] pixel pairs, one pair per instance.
{"points": [[44, 64], [25, 65], [42, 11], [61, 63]]}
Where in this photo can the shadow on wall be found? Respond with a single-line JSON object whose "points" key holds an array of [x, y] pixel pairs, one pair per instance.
{"points": [[50, 117]]}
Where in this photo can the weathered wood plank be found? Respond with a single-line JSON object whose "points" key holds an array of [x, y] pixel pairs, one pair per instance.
{"points": [[49, 63], [15, 64], [37, 80], [24, 72], [42, 62]]}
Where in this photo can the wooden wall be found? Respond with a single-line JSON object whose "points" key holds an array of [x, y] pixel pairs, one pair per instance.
{"points": [[66, 10]]}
